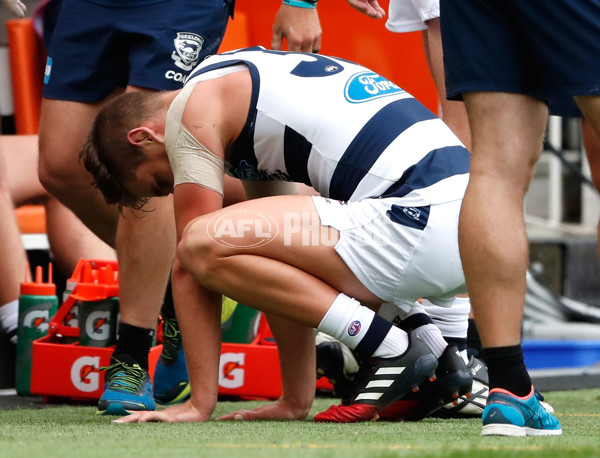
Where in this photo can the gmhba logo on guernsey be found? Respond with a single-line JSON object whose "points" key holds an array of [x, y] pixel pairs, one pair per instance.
{"points": [[366, 86]]}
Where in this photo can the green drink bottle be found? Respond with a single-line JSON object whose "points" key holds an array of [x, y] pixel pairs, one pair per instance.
{"points": [[242, 326], [37, 305]]}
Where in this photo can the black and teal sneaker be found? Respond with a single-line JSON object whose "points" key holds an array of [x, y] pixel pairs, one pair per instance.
{"points": [[510, 415], [127, 388], [171, 381]]}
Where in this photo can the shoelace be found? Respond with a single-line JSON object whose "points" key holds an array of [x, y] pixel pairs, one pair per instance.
{"points": [[125, 377], [171, 338]]}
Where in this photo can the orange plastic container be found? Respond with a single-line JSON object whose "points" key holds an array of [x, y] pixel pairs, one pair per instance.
{"points": [[61, 368]]}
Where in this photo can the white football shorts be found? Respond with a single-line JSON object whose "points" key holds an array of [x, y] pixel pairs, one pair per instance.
{"points": [[410, 15], [400, 253]]}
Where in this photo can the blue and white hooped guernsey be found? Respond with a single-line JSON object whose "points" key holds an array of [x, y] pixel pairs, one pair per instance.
{"points": [[342, 129]]}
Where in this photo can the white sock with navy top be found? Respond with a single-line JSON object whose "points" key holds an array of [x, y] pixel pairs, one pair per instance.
{"points": [[363, 331]]}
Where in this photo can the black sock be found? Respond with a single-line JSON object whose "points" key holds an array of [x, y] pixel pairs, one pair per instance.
{"points": [[168, 307], [506, 368], [135, 342], [459, 343], [413, 322], [473, 340]]}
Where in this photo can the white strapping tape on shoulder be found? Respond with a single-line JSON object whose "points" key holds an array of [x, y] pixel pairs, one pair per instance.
{"points": [[192, 162]]}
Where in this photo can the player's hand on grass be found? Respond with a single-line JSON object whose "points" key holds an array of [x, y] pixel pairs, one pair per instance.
{"points": [[369, 7], [278, 410], [185, 412]]}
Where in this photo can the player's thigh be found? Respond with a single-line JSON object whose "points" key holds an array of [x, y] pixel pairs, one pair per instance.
{"points": [[284, 228], [64, 126]]}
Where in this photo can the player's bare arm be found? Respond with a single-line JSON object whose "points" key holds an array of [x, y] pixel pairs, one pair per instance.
{"points": [[213, 126]]}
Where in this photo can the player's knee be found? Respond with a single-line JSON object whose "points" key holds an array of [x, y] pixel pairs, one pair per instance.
{"points": [[53, 177], [67, 182], [197, 252]]}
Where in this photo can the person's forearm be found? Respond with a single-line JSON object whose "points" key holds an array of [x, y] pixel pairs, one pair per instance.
{"points": [[199, 315], [296, 345]]}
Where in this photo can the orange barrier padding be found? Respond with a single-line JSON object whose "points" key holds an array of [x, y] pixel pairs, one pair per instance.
{"points": [[27, 74], [237, 34], [351, 35], [31, 219]]}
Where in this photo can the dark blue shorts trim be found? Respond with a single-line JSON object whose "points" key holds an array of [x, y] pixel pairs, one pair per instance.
{"points": [[544, 48], [96, 49]]}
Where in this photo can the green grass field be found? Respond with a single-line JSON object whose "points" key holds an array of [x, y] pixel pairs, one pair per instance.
{"points": [[75, 431]]}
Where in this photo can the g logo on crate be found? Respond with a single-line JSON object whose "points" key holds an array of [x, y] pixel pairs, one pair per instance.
{"points": [[97, 325], [231, 371], [84, 373], [37, 319], [72, 318]]}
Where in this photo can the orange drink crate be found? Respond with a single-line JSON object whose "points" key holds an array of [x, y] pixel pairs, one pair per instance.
{"points": [[62, 368]]}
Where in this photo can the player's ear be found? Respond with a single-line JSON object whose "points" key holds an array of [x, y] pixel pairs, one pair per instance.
{"points": [[141, 135]]}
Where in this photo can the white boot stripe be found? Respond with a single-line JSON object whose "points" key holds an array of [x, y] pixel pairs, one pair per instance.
{"points": [[371, 396], [379, 383], [389, 370]]}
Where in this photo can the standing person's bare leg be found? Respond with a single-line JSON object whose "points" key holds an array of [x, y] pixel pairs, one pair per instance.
{"points": [[492, 236], [142, 284], [452, 112], [507, 132], [14, 259], [591, 143], [63, 129]]}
